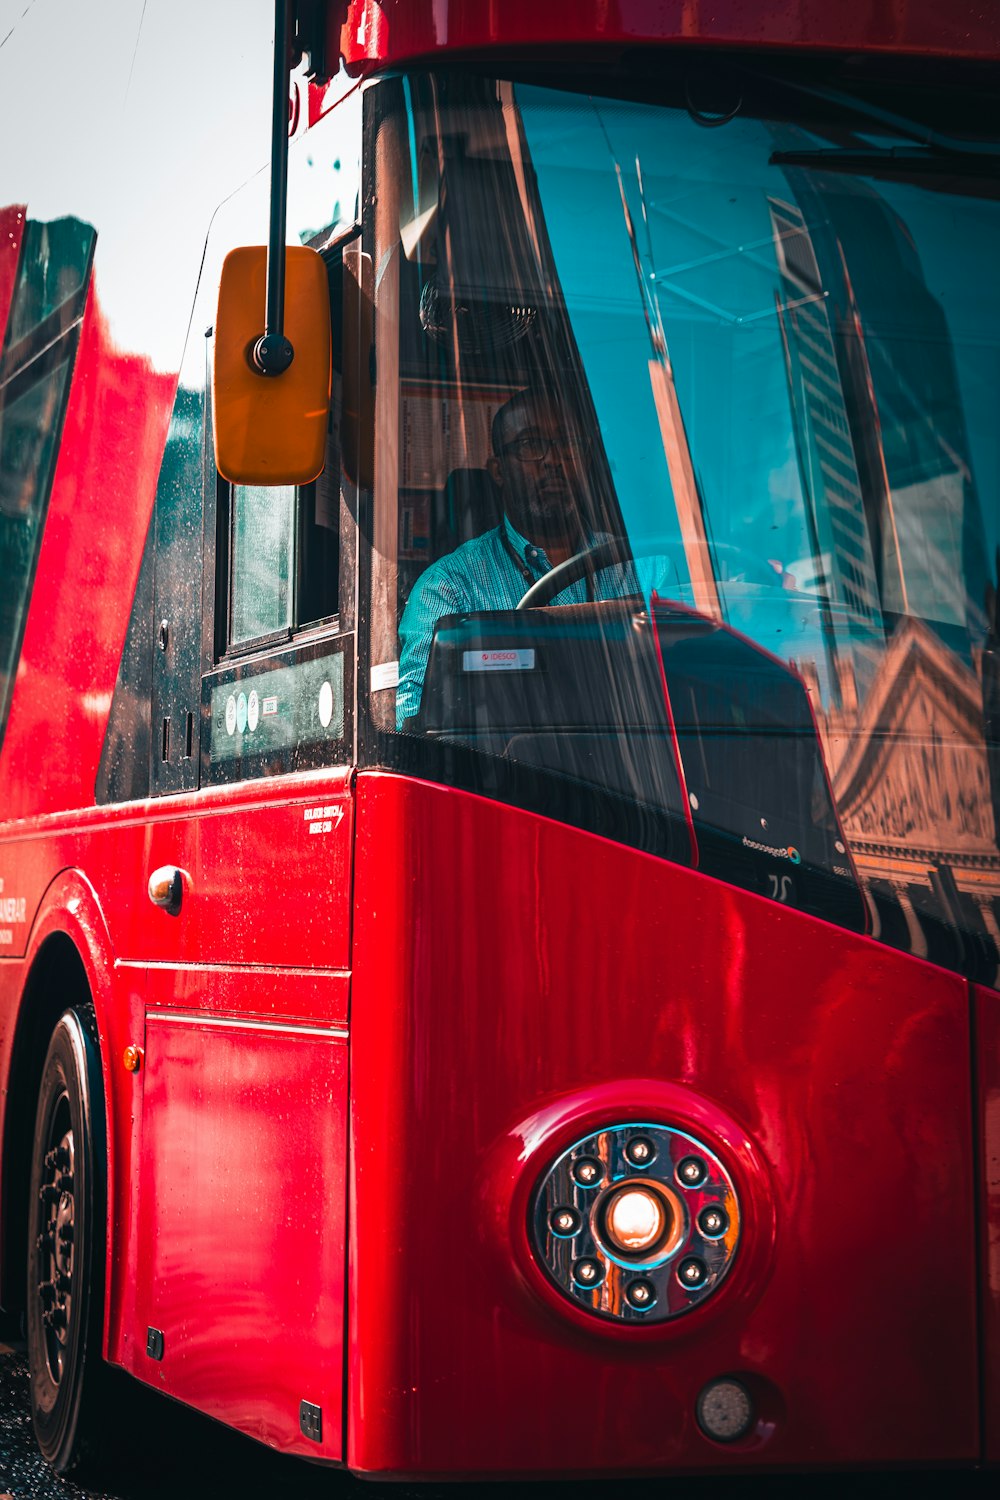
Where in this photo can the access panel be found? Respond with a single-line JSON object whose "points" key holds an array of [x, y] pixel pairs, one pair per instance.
{"points": [[240, 1267]]}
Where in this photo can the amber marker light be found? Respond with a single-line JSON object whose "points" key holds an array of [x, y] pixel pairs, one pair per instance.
{"points": [[132, 1059]]}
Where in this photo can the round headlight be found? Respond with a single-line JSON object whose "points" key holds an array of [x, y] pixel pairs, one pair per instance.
{"points": [[635, 1219], [636, 1222]]}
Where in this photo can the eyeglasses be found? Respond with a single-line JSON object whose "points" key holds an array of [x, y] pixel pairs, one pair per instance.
{"points": [[532, 447]]}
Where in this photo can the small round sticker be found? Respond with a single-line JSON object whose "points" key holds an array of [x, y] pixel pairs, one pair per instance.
{"points": [[241, 712], [253, 711], [231, 714], [325, 705]]}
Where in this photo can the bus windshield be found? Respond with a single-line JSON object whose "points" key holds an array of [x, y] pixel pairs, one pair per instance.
{"points": [[710, 394]]}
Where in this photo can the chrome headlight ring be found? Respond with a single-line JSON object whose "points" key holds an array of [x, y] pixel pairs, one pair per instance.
{"points": [[637, 1223]]}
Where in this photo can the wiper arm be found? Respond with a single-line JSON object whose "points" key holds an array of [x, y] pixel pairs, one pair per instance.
{"points": [[910, 130], [937, 171], [876, 160]]}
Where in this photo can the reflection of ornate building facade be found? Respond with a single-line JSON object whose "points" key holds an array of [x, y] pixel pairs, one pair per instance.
{"points": [[911, 781]]}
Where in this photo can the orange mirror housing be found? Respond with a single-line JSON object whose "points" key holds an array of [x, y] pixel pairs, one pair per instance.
{"points": [[271, 429]]}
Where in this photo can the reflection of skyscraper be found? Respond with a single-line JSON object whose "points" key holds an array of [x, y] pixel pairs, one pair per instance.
{"points": [[891, 355], [823, 435]]}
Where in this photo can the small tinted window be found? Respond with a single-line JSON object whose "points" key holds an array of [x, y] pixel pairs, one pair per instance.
{"points": [[263, 561], [283, 543]]}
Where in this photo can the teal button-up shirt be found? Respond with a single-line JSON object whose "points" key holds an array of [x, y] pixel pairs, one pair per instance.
{"points": [[483, 574]]}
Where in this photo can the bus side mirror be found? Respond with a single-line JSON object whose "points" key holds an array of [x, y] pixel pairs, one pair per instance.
{"points": [[271, 429]]}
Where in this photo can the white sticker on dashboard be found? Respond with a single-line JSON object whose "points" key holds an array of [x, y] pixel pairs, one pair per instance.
{"points": [[519, 660], [385, 675]]}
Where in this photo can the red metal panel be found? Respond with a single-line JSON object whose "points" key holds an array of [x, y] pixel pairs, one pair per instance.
{"points": [[987, 1030], [115, 428], [261, 888], [517, 982], [11, 233], [264, 931], [241, 1220], [381, 33]]}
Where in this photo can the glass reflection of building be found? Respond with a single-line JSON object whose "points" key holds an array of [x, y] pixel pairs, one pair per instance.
{"points": [[845, 568], [911, 781], [899, 541], [876, 401]]}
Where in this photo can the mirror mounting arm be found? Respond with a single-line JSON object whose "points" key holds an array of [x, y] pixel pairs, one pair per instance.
{"points": [[272, 353]]}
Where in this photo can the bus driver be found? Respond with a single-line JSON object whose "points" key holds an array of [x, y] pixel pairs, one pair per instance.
{"points": [[539, 464]]}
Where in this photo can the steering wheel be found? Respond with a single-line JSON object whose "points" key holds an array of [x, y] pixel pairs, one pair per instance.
{"points": [[616, 550], [605, 554]]}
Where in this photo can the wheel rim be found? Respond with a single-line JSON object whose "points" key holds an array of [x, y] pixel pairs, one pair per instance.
{"points": [[55, 1242]]}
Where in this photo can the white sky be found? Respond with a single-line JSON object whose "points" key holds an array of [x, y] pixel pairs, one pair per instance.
{"points": [[139, 119]]}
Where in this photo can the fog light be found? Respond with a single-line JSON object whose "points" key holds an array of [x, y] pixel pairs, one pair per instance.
{"points": [[635, 1219], [588, 1272], [565, 1222], [692, 1271], [713, 1221], [640, 1151], [725, 1411], [641, 1294], [691, 1172], [587, 1172]]}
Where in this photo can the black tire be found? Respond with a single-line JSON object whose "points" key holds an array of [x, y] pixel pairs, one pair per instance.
{"points": [[66, 1238]]}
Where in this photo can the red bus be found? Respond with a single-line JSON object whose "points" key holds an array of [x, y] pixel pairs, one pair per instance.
{"points": [[499, 879]]}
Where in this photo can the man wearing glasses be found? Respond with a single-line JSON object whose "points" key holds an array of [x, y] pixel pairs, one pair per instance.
{"points": [[539, 465]]}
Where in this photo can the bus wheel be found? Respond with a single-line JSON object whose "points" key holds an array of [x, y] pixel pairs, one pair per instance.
{"points": [[65, 1250]]}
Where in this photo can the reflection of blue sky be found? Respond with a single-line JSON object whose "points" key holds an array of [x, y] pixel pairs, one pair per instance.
{"points": [[707, 250], [716, 276]]}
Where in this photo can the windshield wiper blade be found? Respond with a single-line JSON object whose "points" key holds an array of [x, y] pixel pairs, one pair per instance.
{"points": [[875, 158], [864, 109], [937, 171]]}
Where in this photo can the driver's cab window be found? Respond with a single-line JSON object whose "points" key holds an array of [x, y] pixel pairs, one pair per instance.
{"points": [[548, 610], [489, 469], [678, 487]]}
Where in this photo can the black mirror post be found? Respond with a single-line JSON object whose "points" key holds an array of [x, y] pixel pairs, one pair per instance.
{"points": [[272, 352]]}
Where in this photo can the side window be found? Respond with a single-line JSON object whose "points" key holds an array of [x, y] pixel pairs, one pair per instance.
{"points": [[261, 561], [43, 322], [278, 698], [284, 549]]}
